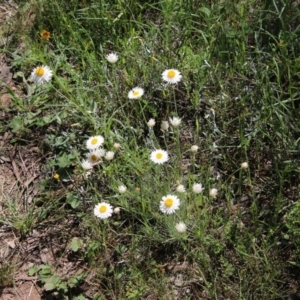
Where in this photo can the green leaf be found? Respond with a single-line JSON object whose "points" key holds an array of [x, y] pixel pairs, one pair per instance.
{"points": [[32, 270], [51, 283], [80, 297], [19, 74], [48, 119], [63, 161], [63, 286], [16, 124], [72, 282], [205, 10], [49, 286], [60, 141], [45, 272], [39, 122], [73, 200], [76, 244]]}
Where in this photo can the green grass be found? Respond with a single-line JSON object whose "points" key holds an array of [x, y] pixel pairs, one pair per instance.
{"points": [[238, 101]]}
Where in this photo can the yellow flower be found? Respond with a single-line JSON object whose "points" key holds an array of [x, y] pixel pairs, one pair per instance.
{"points": [[45, 35], [56, 176]]}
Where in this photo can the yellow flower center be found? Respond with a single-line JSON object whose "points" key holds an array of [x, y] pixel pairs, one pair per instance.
{"points": [[168, 202], [159, 155], [136, 93], [39, 71], [94, 141], [94, 157], [102, 209], [171, 74]]}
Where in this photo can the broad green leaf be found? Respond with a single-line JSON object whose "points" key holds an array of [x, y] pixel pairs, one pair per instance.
{"points": [[49, 286], [205, 10], [63, 161], [75, 244], [32, 270], [73, 200], [16, 124]]}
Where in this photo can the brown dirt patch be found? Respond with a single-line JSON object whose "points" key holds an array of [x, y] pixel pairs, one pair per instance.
{"points": [[25, 290]]}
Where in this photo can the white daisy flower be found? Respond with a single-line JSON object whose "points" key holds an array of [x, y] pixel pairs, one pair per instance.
{"points": [[95, 155], [159, 156], [197, 188], [94, 142], [109, 155], [171, 76], [136, 93], [213, 193], [194, 148], [112, 57], [151, 123], [244, 165], [180, 189], [180, 227], [175, 122], [86, 164], [164, 125], [169, 204], [41, 75], [122, 189], [103, 210]]}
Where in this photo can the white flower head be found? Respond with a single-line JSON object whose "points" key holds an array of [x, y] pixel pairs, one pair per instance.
{"points": [[244, 165], [41, 75], [213, 193], [180, 227], [136, 93], [103, 210], [194, 148], [112, 57], [159, 156], [109, 155], [171, 76], [197, 188], [164, 125], [117, 146], [94, 142], [151, 123], [180, 188], [117, 210], [175, 122], [169, 204], [94, 155], [86, 165], [122, 189]]}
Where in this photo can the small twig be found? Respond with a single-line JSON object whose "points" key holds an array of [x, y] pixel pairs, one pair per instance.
{"points": [[26, 278], [25, 170]]}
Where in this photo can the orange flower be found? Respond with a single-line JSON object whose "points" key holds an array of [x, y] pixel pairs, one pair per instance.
{"points": [[45, 35]]}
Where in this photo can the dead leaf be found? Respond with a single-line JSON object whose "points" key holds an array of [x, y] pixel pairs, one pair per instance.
{"points": [[11, 244]]}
